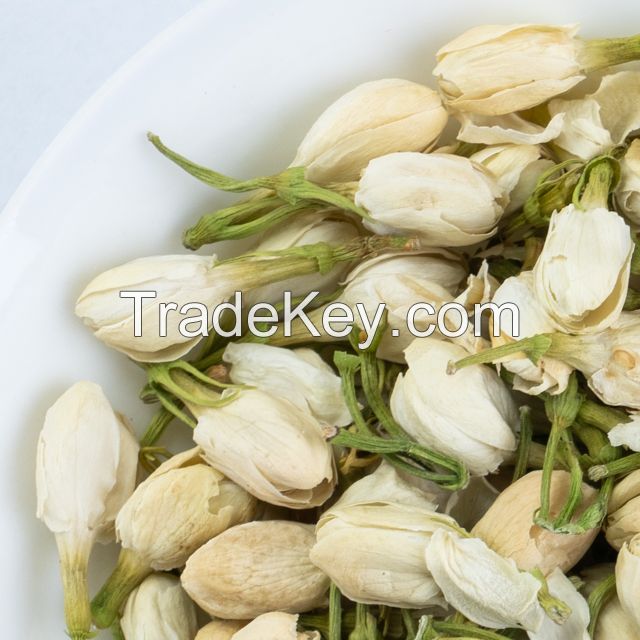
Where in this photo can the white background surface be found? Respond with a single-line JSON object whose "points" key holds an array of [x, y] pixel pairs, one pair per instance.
{"points": [[53, 55]]}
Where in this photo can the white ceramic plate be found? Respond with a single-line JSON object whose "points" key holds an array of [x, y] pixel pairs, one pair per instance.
{"points": [[234, 84]]}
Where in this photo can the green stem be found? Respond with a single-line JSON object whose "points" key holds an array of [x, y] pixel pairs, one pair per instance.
{"points": [[467, 631], [615, 468], [210, 224], [409, 624], [555, 608], [74, 553], [575, 486], [534, 348], [561, 410], [605, 590], [335, 613], [607, 52], [130, 571], [290, 185], [366, 627], [524, 445], [156, 427], [600, 416]]}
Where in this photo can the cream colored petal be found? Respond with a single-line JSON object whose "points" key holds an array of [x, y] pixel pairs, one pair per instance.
{"points": [[483, 586], [510, 128]]}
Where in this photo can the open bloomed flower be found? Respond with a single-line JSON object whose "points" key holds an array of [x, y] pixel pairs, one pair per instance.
{"points": [[609, 360], [498, 69], [269, 446], [298, 375], [443, 199], [628, 578], [548, 375], [328, 226], [508, 525], [371, 120], [582, 274], [575, 627], [516, 167], [256, 568], [400, 281], [623, 521], [628, 190], [86, 469], [371, 542], [275, 626], [593, 125], [485, 587], [159, 609], [470, 416]]}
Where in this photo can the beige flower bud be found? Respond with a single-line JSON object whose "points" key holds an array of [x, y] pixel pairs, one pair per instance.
{"points": [[159, 609], [593, 125], [298, 375], [180, 506], [485, 587], [196, 498], [435, 417], [220, 630], [86, 468], [549, 374], [623, 521], [87, 461], [180, 280], [575, 627], [269, 446], [612, 622], [256, 568], [372, 541], [371, 120], [498, 69], [275, 626], [411, 193], [508, 526], [317, 226], [602, 258], [399, 281], [628, 191], [516, 167], [628, 578]]}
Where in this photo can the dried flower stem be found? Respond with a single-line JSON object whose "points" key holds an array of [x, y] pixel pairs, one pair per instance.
{"points": [[556, 609], [524, 445], [74, 553], [335, 613], [601, 416], [130, 571], [615, 468], [605, 590]]}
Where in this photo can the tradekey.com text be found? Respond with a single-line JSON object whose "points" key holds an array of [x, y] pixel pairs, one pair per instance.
{"points": [[335, 319]]}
